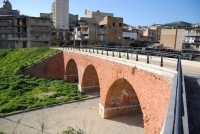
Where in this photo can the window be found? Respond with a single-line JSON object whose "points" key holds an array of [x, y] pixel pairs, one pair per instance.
{"points": [[120, 24], [113, 23], [197, 46]]}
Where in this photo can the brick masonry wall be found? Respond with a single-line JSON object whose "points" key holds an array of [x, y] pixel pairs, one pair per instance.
{"points": [[51, 68], [153, 91]]}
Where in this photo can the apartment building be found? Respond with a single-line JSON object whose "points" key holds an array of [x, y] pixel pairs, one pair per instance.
{"points": [[110, 31], [98, 16], [172, 38], [85, 35], [7, 9], [73, 21], [39, 31], [192, 38], [60, 14], [157, 32], [24, 31], [128, 37]]}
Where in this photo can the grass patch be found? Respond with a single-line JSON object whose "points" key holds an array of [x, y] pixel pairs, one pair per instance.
{"points": [[18, 59], [18, 92], [24, 92]]}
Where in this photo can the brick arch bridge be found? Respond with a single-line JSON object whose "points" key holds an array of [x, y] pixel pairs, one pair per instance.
{"points": [[124, 89]]}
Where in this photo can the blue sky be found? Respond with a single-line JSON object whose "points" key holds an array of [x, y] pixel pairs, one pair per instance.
{"points": [[134, 12]]}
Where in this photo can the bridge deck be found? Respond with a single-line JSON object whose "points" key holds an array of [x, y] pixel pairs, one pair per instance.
{"points": [[192, 85], [190, 68]]}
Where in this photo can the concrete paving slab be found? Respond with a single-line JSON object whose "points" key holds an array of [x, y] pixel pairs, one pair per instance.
{"points": [[83, 114]]}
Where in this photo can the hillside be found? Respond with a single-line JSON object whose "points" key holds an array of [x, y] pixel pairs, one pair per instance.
{"points": [[18, 92], [17, 59]]}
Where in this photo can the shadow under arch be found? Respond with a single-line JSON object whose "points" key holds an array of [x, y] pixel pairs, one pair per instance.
{"points": [[121, 99], [90, 80], [71, 74]]}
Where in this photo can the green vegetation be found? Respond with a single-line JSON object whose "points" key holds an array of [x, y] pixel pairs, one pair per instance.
{"points": [[18, 59], [2, 133], [71, 130], [24, 92], [18, 92], [198, 59]]}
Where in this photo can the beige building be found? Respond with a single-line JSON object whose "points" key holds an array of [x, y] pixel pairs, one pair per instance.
{"points": [[98, 16], [172, 38], [146, 35], [110, 31], [157, 32], [60, 14], [24, 32], [7, 9]]}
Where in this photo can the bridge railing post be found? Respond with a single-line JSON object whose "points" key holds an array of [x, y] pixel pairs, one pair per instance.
{"points": [[102, 51], [107, 51], [113, 54], [147, 58], [97, 51], [136, 56], [127, 55], [93, 49], [119, 53], [161, 62], [86, 49]]}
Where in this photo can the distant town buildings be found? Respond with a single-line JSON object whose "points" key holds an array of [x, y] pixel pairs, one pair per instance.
{"points": [[94, 28]]}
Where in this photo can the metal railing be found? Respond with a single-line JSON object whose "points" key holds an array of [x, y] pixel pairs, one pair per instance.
{"points": [[125, 51], [177, 117], [178, 125]]}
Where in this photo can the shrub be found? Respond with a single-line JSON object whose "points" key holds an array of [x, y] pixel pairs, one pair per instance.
{"points": [[71, 130]]}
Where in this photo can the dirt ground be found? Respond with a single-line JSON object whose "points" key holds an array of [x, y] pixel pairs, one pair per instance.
{"points": [[83, 114]]}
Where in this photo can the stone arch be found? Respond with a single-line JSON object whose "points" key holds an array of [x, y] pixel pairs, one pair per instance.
{"points": [[121, 99], [90, 80], [71, 71]]}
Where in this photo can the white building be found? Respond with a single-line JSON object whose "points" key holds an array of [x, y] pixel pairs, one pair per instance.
{"points": [[129, 35], [98, 16], [60, 14]]}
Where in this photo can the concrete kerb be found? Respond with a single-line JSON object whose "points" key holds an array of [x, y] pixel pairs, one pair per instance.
{"points": [[48, 106]]}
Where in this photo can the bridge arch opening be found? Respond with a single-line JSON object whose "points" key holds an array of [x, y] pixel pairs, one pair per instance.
{"points": [[121, 99], [90, 80], [71, 71]]}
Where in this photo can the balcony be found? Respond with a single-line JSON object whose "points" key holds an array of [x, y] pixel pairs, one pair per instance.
{"points": [[40, 39], [6, 24], [102, 32], [192, 34], [15, 38], [84, 32], [102, 40], [6, 31], [40, 24], [79, 37], [40, 31]]}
